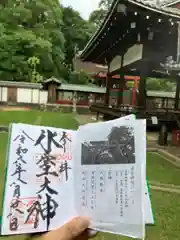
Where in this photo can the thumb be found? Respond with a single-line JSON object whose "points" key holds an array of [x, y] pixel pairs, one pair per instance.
{"points": [[70, 230]]}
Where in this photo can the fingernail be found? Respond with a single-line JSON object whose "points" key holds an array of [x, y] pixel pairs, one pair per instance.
{"points": [[92, 233]]}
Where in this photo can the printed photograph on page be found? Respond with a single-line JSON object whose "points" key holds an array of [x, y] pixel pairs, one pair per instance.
{"points": [[108, 160], [118, 148], [39, 179]]}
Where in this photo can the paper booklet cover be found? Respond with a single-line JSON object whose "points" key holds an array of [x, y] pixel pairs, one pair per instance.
{"points": [[99, 170]]}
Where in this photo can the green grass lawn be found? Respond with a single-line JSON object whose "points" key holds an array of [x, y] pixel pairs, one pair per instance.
{"points": [[166, 207], [53, 119], [160, 170]]}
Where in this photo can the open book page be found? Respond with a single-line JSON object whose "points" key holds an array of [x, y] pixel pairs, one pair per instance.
{"points": [[115, 227], [149, 218], [109, 185], [38, 188]]}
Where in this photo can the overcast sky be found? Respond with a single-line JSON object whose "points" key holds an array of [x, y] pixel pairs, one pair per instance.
{"points": [[85, 7]]}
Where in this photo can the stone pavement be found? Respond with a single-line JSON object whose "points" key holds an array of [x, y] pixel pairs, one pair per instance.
{"points": [[84, 119], [165, 189], [164, 185]]}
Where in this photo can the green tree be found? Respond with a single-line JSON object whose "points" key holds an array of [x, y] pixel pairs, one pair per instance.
{"points": [[105, 4], [30, 29], [77, 32], [34, 74], [80, 78], [155, 84], [96, 17]]}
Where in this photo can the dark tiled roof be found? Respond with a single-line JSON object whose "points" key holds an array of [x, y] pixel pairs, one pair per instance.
{"points": [[53, 79], [171, 12], [20, 84]]}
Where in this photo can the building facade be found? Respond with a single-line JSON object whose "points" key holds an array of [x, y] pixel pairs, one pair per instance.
{"points": [[54, 92], [22, 92]]}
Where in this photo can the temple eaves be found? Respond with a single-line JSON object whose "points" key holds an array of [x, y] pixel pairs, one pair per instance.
{"points": [[104, 29]]}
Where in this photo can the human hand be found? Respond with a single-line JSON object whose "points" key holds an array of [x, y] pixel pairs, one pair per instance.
{"points": [[76, 229]]}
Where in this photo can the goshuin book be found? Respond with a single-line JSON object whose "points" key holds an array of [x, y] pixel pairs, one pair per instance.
{"points": [[55, 174]]}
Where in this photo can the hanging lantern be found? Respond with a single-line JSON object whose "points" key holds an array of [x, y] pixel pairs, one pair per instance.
{"points": [[150, 35], [138, 37], [122, 8], [133, 25]]}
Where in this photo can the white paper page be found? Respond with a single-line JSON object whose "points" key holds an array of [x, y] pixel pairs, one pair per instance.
{"points": [[129, 229], [103, 187], [115, 227], [148, 208], [32, 164], [149, 219], [143, 155]]}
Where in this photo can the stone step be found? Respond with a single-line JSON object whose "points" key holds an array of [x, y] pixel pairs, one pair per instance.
{"points": [[4, 128]]}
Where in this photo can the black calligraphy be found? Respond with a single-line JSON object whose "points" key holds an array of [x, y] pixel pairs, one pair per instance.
{"points": [[45, 164], [49, 136], [121, 176], [18, 171], [102, 181], [126, 173], [64, 168], [46, 210], [45, 207], [46, 186], [93, 190], [18, 174], [84, 177], [64, 139]]}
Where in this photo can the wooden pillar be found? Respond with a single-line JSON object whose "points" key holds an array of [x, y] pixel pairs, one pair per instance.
{"points": [[163, 135], [52, 93], [163, 103], [176, 104], [121, 88], [97, 116], [142, 85], [134, 92], [96, 96], [108, 86], [121, 83]]}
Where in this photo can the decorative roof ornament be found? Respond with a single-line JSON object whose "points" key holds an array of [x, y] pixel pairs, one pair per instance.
{"points": [[170, 64], [150, 35], [133, 25], [139, 37], [122, 8]]}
